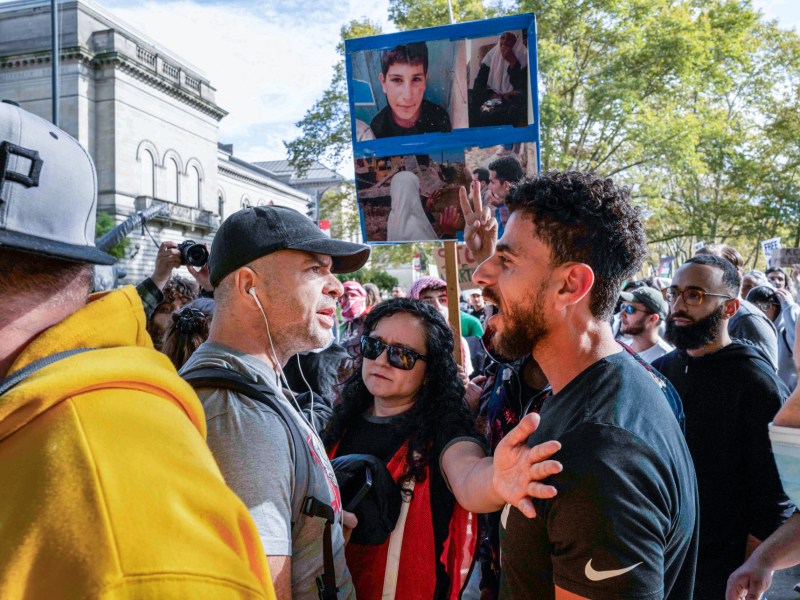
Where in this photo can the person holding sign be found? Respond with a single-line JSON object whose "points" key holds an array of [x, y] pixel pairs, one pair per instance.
{"points": [[624, 523], [404, 75]]}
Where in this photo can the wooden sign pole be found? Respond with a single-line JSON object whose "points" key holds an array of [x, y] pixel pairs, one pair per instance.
{"points": [[453, 299]]}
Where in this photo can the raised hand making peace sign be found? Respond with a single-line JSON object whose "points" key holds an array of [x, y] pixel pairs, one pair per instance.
{"points": [[480, 230]]}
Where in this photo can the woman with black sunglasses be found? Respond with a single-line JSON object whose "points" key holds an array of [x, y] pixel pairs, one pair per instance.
{"points": [[405, 405]]}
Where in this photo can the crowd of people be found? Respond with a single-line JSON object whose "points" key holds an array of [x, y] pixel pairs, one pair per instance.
{"points": [[264, 430]]}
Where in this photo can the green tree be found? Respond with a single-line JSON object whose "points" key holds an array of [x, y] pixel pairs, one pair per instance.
{"points": [[418, 14], [338, 205], [738, 181], [382, 279], [692, 103], [105, 223]]}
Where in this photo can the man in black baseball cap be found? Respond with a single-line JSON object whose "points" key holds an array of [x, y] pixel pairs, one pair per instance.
{"points": [[275, 292], [96, 428]]}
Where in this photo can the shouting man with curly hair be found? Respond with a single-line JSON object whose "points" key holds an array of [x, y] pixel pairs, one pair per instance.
{"points": [[624, 521]]}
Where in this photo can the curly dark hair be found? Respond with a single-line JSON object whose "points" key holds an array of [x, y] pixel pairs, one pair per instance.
{"points": [[587, 219], [440, 404], [179, 289]]}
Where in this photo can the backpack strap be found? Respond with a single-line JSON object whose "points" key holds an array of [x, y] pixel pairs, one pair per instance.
{"points": [[221, 378], [786, 342], [28, 370], [215, 377]]}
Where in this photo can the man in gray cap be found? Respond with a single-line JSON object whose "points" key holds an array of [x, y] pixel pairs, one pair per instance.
{"points": [[275, 290], [641, 313], [108, 487]]}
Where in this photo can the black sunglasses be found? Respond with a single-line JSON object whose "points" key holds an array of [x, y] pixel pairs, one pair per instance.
{"points": [[399, 358]]}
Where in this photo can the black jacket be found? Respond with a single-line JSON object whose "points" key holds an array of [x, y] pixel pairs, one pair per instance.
{"points": [[729, 397]]}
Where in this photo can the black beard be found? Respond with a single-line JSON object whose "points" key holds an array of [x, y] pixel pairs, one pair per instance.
{"points": [[696, 335], [524, 327]]}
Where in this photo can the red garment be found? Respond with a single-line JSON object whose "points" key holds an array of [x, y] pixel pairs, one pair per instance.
{"points": [[417, 573]]}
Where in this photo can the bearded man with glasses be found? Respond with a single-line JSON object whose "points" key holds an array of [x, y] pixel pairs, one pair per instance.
{"points": [[730, 393]]}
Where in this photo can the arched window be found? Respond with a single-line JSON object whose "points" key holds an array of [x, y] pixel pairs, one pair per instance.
{"points": [[246, 202], [172, 180], [148, 174], [221, 205], [193, 196]]}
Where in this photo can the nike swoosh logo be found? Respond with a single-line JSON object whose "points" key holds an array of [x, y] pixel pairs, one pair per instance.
{"points": [[593, 575], [504, 515]]}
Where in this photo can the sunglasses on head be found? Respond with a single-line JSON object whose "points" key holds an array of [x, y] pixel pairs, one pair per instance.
{"points": [[399, 358]]}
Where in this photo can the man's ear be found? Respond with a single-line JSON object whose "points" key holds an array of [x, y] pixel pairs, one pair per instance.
{"points": [[245, 278], [577, 280], [731, 308]]}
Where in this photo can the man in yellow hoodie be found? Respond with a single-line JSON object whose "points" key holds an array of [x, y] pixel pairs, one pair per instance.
{"points": [[107, 488]]}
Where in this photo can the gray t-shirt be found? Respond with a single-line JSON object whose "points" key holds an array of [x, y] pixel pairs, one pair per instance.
{"points": [[254, 450]]}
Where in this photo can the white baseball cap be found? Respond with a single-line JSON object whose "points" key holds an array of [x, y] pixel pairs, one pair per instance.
{"points": [[48, 190]]}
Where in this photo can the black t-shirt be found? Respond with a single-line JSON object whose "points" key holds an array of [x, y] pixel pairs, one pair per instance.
{"points": [[624, 521], [380, 437], [432, 119], [729, 397]]}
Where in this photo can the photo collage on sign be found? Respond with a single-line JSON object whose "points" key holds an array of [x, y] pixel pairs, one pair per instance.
{"points": [[429, 107]]}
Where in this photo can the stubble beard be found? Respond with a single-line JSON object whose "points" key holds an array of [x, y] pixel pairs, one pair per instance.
{"points": [[632, 331], [524, 327]]}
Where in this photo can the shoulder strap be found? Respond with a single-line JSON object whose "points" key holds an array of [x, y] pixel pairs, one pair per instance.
{"points": [[786, 342], [25, 372], [214, 377], [217, 377]]}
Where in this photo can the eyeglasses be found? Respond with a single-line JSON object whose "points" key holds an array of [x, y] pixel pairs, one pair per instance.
{"points": [[765, 305], [691, 296], [399, 358], [629, 310]]}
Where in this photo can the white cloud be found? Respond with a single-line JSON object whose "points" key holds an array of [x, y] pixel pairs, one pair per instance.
{"points": [[268, 64], [787, 12]]}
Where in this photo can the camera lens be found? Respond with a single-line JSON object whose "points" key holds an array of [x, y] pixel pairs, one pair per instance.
{"points": [[196, 255]]}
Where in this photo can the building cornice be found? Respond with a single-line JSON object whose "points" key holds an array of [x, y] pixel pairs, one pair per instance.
{"points": [[226, 169], [124, 63]]}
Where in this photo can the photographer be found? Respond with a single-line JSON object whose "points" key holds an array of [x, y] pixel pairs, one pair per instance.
{"points": [[162, 293]]}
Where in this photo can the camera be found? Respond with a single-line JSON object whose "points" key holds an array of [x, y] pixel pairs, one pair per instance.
{"points": [[193, 253]]}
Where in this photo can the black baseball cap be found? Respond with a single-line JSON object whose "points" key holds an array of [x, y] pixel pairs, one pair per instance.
{"points": [[254, 232]]}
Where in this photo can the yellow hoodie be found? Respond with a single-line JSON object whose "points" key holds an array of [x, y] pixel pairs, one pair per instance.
{"points": [[107, 488]]}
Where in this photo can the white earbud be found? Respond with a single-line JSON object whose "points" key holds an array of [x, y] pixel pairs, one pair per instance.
{"points": [[252, 292]]}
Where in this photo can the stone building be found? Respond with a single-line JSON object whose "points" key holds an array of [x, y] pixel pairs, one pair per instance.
{"points": [[148, 118]]}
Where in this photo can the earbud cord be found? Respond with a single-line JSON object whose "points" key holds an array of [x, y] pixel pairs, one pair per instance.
{"points": [[278, 364], [308, 385]]}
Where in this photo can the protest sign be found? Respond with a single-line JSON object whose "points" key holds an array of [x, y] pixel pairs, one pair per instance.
{"points": [[466, 264], [430, 106], [784, 257], [769, 246]]}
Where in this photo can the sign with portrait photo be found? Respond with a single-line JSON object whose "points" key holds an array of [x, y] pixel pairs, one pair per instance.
{"points": [[430, 107]]}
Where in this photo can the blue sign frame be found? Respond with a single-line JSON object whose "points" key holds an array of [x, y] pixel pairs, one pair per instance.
{"points": [[440, 142]]}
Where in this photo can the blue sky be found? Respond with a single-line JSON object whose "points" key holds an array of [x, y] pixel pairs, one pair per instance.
{"points": [[270, 61]]}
